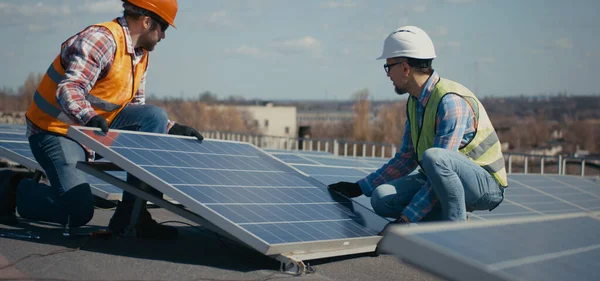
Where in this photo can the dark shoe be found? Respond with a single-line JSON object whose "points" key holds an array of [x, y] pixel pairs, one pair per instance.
{"points": [[9, 180], [149, 228], [146, 227]]}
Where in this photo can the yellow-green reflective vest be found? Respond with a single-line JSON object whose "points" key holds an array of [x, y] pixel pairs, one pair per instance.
{"points": [[484, 149]]}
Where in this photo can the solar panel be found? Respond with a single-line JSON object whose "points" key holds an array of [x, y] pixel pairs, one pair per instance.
{"points": [[15, 147], [340, 161], [299, 152], [562, 247], [529, 195], [326, 159], [293, 159], [12, 127], [258, 199], [329, 175]]}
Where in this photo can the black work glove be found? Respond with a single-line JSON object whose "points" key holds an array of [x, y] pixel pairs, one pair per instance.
{"points": [[348, 189], [184, 130], [98, 122]]}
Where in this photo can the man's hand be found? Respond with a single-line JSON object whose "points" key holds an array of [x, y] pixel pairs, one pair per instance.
{"points": [[98, 122], [348, 189], [183, 130]]}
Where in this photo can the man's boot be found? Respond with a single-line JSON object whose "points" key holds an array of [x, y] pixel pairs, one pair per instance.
{"points": [[9, 180], [146, 227]]}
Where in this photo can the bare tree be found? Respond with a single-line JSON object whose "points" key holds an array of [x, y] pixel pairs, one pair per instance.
{"points": [[362, 114]]}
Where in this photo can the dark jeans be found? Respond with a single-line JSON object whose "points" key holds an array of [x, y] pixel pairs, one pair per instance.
{"points": [[458, 182], [69, 195]]}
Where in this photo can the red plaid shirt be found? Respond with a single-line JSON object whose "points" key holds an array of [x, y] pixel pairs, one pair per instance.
{"points": [[86, 58]]}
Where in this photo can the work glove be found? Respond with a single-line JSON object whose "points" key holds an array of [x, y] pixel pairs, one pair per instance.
{"points": [[348, 189], [98, 122], [184, 130]]}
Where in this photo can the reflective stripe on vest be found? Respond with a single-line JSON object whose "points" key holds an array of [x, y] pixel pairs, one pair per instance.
{"points": [[50, 109], [108, 96], [484, 149]]}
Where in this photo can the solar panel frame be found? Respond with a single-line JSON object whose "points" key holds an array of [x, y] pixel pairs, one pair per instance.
{"points": [[324, 248], [423, 246]]}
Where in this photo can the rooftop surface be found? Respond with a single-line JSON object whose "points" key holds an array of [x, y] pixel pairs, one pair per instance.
{"points": [[197, 254]]}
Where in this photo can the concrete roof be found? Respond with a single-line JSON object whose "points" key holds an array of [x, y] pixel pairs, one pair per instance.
{"points": [[197, 255]]}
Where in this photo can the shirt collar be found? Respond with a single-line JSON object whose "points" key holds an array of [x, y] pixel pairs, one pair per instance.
{"points": [[428, 88], [123, 23]]}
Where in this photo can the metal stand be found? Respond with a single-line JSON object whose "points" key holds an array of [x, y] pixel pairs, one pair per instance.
{"points": [[291, 265]]}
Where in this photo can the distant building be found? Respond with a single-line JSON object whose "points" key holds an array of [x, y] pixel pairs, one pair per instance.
{"points": [[272, 120], [307, 118]]}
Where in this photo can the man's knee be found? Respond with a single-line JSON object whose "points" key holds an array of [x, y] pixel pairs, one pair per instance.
{"points": [[84, 214], [157, 114], [378, 195], [434, 155], [79, 204]]}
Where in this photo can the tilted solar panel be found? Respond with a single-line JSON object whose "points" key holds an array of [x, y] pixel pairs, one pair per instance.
{"points": [[15, 147], [561, 247], [530, 194], [12, 128], [240, 189]]}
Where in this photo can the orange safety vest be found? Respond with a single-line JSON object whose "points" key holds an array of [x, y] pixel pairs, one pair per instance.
{"points": [[108, 96]]}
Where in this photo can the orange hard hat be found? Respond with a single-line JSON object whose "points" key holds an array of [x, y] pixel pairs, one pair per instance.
{"points": [[165, 9]]}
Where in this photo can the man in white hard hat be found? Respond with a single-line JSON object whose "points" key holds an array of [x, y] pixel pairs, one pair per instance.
{"points": [[447, 134]]}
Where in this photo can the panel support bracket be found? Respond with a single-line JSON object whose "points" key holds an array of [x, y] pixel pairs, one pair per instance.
{"points": [[292, 265]]}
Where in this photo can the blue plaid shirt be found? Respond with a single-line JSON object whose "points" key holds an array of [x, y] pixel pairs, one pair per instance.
{"points": [[455, 129]]}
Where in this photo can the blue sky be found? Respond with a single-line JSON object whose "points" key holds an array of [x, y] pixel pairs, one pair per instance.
{"points": [[276, 49]]}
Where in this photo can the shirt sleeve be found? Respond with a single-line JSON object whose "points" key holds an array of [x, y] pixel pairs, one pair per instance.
{"points": [[451, 123], [402, 164], [85, 57]]}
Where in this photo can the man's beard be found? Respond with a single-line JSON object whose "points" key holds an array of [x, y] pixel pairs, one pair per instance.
{"points": [[146, 42], [400, 91]]}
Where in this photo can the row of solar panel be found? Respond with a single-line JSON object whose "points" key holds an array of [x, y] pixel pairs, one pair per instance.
{"points": [[527, 194]]}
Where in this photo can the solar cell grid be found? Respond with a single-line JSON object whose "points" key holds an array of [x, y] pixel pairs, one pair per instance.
{"points": [[527, 194], [234, 185], [564, 247], [15, 147]]}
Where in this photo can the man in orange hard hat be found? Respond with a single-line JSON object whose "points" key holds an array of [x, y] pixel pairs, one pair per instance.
{"points": [[97, 80]]}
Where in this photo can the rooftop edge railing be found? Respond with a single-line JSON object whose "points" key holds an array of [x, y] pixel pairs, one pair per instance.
{"points": [[519, 162]]}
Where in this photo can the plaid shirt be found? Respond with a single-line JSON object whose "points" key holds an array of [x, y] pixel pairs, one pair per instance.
{"points": [[455, 128], [86, 58]]}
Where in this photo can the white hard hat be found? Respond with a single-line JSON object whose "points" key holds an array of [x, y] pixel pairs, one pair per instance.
{"points": [[410, 42]]}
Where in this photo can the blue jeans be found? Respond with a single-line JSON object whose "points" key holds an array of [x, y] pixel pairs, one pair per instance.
{"points": [[457, 181], [69, 195]]}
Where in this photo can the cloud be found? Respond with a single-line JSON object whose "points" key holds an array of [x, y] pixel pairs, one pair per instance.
{"points": [[550, 46], [563, 43], [34, 9], [536, 51], [420, 8], [102, 7], [441, 31], [221, 18], [449, 45], [307, 44], [246, 50], [460, 1], [590, 54], [338, 4], [487, 60], [377, 34]]}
